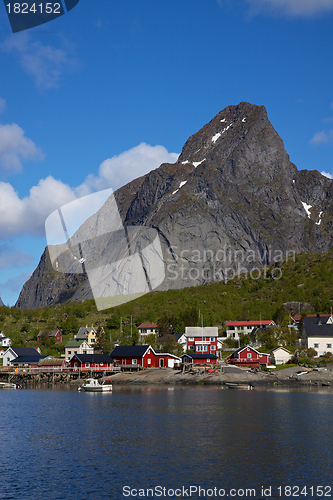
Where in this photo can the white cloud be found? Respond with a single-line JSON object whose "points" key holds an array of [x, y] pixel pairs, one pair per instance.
{"points": [[326, 174], [3, 105], [291, 7], [27, 215], [322, 137], [14, 147], [44, 63], [121, 169]]}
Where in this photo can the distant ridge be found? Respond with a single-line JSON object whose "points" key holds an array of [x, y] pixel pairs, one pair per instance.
{"points": [[233, 200]]}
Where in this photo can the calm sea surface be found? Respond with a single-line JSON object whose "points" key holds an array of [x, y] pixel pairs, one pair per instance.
{"points": [[63, 444]]}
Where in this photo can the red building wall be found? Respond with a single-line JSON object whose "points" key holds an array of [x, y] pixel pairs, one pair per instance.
{"points": [[83, 365], [255, 358], [191, 343]]}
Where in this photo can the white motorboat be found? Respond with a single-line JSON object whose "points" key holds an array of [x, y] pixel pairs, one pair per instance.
{"points": [[93, 385], [9, 385]]}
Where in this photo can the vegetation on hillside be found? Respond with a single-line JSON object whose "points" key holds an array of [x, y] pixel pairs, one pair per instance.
{"points": [[308, 278]]}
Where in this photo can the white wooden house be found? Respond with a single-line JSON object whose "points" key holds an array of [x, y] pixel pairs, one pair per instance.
{"points": [[280, 356]]}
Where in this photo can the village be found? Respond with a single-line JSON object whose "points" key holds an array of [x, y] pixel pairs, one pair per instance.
{"points": [[199, 349]]}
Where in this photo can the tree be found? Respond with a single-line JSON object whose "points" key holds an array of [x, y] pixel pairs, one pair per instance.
{"points": [[273, 337], [150, 340], [45, 338], [113, 323], [70, 325], [245, 340], [100, 338], [169, 344]]}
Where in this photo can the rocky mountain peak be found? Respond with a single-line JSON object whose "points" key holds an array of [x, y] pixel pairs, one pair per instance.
{"points": [[238, 141], [232, 188]]}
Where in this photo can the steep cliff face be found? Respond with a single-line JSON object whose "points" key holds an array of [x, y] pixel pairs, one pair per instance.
{"points": [[233, 201]]}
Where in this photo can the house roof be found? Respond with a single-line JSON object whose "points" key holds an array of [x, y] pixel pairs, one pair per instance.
{"points": [[74, 343], [280, 347], [240, 349], [167, 354], [50, 333], [148, 325], [250, 322], [200, 356], [178, 335], [315, 330], [93, 358], [50, 362], [26, 359], [198, 331], [314, 319], [84, 332], [130, 350], [25, 351]]}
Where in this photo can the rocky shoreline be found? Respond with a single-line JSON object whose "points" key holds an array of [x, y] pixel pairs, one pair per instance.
{"points": [[289, 377], [294, 376]]}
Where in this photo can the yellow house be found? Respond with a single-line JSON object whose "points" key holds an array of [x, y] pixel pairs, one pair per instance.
{"points": [[87, 333]]}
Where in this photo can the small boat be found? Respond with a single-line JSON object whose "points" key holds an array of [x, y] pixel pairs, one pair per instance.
{"points": [[9, 385], [246, 387], [93, 385]]}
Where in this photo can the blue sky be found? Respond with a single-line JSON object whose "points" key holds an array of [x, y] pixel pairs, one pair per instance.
{"points": [[111, 90]]}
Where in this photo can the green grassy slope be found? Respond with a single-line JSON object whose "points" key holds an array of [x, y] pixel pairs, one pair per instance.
{"points": [[307, 278]]}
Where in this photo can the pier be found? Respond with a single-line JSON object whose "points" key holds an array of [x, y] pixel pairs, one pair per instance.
{"points": [[52, 375]]}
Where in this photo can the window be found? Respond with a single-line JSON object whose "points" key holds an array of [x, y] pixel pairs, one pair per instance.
{"points": [[87, 365], [212, 339], [191, 348], [204, 339], [204, 348], [212, 348], [191, 339], [199, 347], [208, 360], [92, 340], [316, 345], [149, 361], [329, 345], [134, 361], [69, 352], [249, 355]]}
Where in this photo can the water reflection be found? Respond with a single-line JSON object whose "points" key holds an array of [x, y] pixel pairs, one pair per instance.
{"points": [[145, 436]]}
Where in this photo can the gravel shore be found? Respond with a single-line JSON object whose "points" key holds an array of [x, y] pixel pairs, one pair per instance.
{"points": [[293, 376]]}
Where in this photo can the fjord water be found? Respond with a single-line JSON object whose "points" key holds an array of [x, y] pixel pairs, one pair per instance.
{"points": [[62, 444]]}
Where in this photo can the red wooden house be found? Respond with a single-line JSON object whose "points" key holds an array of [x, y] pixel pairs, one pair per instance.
{"points": [[50, 333], [199, 359], [90, 362], [143, 356], [202, 340], [248, 356]]}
